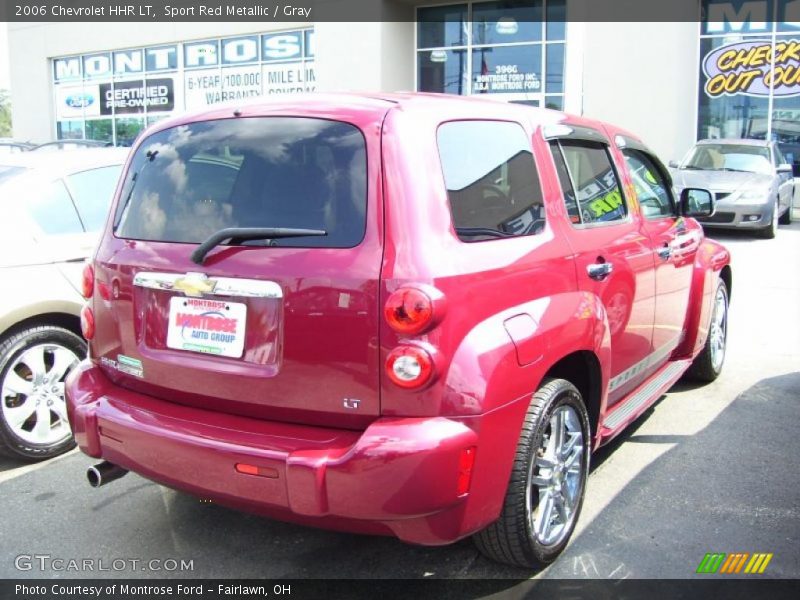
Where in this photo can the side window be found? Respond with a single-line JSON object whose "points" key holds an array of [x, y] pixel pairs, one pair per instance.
{"points": [[652, 189], [778, 157], [566, 185], [52, 210], [594, 182], [92, 191], [492, 183]]}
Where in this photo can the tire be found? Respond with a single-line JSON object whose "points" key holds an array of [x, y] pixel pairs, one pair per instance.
{"points": [[33, 366], [786, 218], [516, 538], [770, 230], [707, 366]]}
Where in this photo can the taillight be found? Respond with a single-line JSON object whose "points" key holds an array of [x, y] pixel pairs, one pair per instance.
{"points": [[409, 310], [87, 281], [87, 322], [409, 366], [465, 464]]}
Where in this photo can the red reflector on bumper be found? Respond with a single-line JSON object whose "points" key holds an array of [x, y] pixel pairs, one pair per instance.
{"points": [[465, 463], [256, 470]]}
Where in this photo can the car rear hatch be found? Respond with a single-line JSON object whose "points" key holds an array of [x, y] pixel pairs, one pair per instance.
{"points": [[263, 325]]}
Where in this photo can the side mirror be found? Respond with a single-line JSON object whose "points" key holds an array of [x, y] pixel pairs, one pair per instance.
{"points": [[784, 168], [696, 202], [673, 164]]}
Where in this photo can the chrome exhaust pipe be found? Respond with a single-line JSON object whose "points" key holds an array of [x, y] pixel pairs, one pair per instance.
{"points": [[103, 473]]}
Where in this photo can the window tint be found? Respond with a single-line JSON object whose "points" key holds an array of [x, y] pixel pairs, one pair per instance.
{"points": [[52, 209], [491, 180], [92, 191], [594, 181], [190, 181], [652, 190], [778, 158], [566, 185]]}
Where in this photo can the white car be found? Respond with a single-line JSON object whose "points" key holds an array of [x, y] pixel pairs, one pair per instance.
{"points": [[52, 206]]}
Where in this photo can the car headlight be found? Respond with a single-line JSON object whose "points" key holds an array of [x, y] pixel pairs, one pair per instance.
{"points": [[753, 195]]}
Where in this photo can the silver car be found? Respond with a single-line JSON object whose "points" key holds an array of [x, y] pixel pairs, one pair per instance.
{"points": [[751, 181], [52, 206]]}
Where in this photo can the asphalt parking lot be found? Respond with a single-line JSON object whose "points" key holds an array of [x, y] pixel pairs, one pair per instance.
{"points": [[707, 469]]}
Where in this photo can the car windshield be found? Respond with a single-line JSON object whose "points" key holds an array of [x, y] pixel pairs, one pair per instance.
{"points": [[7, 172], [188, 182], [730, 157]]}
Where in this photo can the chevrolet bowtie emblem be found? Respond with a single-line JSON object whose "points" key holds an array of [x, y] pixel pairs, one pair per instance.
{"points": [[194, 284]]}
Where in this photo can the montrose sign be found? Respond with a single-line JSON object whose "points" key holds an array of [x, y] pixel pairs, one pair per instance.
{"points": [[186, 75]]}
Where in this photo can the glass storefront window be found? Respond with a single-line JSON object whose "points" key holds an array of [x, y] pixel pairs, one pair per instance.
{"points": [[554, 102], [556, 19], [507, 22], [507, 69], [70, 130], [443, 70], [100, 129], [555, 68], [127, 88], [128, 129], [749, 77], [442, 26], [505, 46]]}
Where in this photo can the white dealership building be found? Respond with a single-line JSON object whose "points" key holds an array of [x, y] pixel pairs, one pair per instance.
{"points": [[670, 82]]}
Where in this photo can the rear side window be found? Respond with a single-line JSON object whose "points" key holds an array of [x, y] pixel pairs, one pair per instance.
{"points": [[53, 211], [491, 180], [188, 182], [92, 191], [594, 183]]}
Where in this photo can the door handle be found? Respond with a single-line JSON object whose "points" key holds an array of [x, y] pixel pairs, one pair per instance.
{"points": [[664, 252], [599, 271]]}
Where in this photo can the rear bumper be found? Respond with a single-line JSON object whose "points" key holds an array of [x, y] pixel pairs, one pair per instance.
{"points": [[399, 476]]}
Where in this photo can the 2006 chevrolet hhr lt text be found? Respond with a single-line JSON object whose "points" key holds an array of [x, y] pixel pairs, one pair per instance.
{"points": [[403, 314]]}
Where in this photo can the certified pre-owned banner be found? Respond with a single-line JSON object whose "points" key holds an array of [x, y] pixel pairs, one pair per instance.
{"points": [[126, 97], [754, 67]]}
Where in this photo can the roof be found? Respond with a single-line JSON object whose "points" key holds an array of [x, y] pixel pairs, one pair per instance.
{"points": [[63, 162], [369, 104], [736, 141]]}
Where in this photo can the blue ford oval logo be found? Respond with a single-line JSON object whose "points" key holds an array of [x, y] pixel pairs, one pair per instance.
{"points": [[79, 100]]}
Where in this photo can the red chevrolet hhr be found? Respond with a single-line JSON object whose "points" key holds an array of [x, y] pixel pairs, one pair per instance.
{"points": [[406, 314]]}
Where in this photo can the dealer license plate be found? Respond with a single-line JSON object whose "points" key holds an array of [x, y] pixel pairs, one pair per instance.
{"points": [[207, 326]]}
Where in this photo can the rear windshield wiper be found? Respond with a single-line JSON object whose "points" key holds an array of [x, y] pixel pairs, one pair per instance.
{"points": [[474, 231], [123, 206], [243, 234], [693, 168]]}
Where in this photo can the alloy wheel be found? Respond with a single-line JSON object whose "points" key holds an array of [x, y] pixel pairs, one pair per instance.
{"points": [[719, 329], [33, 402], [556, 477]]}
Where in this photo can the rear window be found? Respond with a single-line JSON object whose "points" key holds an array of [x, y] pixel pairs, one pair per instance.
{"points": [[188, 182], [92, 191], [7, 172], [491, 180]]}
